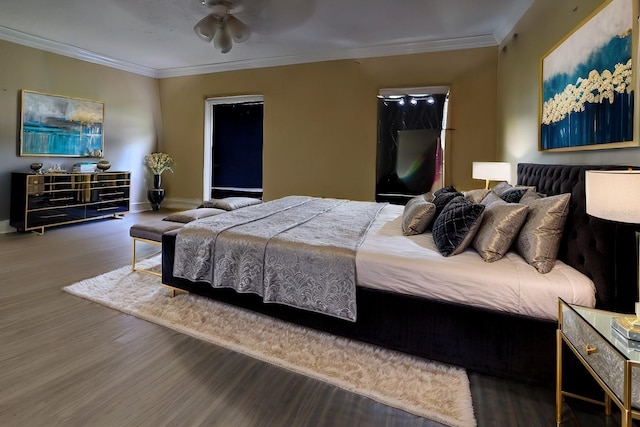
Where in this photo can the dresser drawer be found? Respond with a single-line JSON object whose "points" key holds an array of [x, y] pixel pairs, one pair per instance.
{"points": [[55, 216], [605, 361]]}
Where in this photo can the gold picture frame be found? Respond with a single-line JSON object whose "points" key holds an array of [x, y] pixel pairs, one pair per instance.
{"points": [[56, 125], [588, 82]]}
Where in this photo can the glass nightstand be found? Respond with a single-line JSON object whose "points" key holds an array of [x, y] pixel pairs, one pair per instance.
{"points": [[604, 353]]}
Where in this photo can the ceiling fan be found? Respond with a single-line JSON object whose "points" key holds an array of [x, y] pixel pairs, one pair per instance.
{"points": [[222, 26]]}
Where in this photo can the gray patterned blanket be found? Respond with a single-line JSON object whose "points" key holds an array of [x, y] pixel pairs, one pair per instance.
{"points": [[298, 251]]}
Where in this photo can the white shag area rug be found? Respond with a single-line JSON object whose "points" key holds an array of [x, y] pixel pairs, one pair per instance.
{"points": [[428, 389]]}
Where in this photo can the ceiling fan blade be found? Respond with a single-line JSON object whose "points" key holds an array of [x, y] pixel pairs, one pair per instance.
{"points": [[206, 28]]}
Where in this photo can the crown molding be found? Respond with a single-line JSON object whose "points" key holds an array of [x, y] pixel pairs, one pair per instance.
{"points": [[502, 32], [36, 42], [395, 49], [366, 52]]}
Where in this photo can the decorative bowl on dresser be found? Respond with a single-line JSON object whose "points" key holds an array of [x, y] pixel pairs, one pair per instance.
{"points": [[50, 199]]}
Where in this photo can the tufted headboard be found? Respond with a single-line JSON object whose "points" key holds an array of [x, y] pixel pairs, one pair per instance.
{"points": [[602, 250]]}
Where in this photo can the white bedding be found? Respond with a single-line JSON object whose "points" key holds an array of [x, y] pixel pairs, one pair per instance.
{"points": [[388, 260]]}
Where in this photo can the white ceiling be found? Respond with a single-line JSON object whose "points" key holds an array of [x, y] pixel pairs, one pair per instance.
{"points": [[156, 37]]}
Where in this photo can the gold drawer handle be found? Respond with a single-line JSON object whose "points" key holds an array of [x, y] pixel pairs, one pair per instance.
{"points": [[590, 349]]}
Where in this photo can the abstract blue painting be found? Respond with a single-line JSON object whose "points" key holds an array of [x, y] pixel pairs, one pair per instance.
{"points": [[587, 94], [54, 125]]}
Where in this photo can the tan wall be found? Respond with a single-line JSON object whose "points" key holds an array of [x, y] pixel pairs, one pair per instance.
{"points": [[545, 24], [132, 112], [320, 120]]}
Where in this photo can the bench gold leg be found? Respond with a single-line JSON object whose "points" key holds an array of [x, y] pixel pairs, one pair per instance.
{"points": [[174, 291], [133, 256]]}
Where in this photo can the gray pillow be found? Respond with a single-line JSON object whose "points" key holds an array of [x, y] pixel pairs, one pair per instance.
{"points": [[476, 196], [193, 214], [230, 203], [514, 194], [530, 196], [501, 187], [539, 239], [499, 228], [417, 215], [457, 224]]}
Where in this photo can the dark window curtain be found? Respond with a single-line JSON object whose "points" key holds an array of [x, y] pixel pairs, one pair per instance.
{"points": [[237, 147], [408, 145]]}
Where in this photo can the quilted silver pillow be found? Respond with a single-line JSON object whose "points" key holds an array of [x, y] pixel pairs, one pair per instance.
{"points": [[476, 196], [539, 238], [502, 187], [530, 196], [417, 215], [499, 228]]}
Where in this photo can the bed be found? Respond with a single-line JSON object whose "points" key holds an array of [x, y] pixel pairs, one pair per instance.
{"points": [[486, 335]]}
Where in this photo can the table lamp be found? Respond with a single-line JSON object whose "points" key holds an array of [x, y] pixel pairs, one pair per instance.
{"points": [[491, 171], [615, 196]]}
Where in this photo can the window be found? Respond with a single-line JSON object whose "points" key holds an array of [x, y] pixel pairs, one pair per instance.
{"points": [[410, 152]]}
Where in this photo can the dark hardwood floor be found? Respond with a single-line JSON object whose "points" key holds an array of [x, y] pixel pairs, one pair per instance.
{"points": [[65, 361]]}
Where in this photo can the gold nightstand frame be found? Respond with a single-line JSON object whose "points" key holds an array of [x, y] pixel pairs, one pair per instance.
{"points": [[624, 404]]}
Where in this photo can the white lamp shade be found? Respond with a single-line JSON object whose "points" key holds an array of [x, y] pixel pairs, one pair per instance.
{"points": [[238, 29], [222, 39], [613, 195], [206, 27], [492, 171]]}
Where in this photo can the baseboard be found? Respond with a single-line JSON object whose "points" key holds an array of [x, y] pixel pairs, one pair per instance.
{"points": [[5, 227], [182, 204], [139, 207]]}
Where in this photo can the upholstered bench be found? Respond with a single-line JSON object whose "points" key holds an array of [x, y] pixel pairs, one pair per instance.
{"points": [[149, 232], [152, 231]]}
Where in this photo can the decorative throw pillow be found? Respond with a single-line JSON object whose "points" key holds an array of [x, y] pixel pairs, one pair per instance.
{"points": [[417, 215], [428, 196], [491, 197], [193, 214], [501, 187], [539, 239], [456, 226], [449, 189], [476, 196], [511, 194], [530, 196], [441, 200], [499, 228], [230, 203]]}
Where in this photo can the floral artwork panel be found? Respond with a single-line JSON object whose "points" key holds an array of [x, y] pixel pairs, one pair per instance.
{"points": [[54, 125], [587, 94]]}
